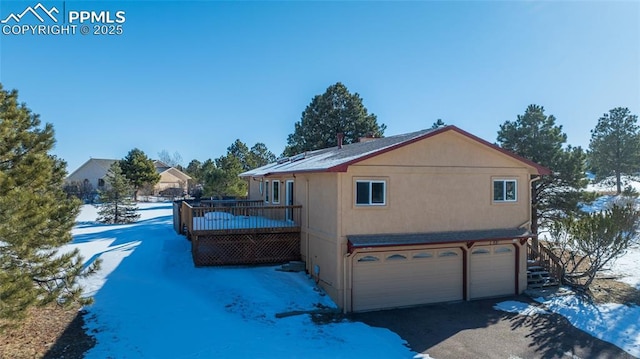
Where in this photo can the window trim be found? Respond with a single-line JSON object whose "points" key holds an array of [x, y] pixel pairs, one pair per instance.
{"points": [[504, 190], [370, 202]]}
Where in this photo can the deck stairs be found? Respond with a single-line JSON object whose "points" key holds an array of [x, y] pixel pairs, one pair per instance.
{"points": [[539, 277]]}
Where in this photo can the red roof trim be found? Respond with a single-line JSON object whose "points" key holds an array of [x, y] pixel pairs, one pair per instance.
{"points": [[343, 167], [351, 248], [541, 169]]}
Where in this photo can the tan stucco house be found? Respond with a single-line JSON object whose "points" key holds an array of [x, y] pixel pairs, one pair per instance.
{"points": [[93, 172], [430, 216]]}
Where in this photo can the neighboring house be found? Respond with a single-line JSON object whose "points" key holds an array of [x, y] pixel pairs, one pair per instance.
{"points": [[430, 216], [171, 178], [93, 173]]}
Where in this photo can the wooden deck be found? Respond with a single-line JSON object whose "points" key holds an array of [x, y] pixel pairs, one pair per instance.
{"points": [[240, 232]]}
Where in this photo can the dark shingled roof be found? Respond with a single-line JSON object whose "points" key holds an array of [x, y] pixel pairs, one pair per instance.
{"points": [[335, 159], [388, 240], [328, 159]]}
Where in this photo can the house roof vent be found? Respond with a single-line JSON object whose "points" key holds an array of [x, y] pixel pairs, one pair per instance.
{"points": [[298, 157], [282, 160]]}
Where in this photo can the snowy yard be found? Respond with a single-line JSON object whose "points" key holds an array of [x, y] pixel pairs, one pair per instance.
{"points": [[151, 302], [615, 323]]}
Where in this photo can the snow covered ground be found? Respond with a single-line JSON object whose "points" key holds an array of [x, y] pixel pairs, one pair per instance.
{"points": [[150, 302], [615, 323], [608, 184]]}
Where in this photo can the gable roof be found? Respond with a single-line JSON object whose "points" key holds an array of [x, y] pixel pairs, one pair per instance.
{"points": [[162, 167], [335, 159], [104, 165], [101, 163]]}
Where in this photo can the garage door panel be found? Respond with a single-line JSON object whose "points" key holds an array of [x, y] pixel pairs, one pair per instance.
{"points": [[492, 271], [418, 278]]}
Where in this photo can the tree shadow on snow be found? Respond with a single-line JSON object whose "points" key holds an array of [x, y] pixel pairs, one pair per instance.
{"points": [[120, 231], [553, 336], [159, 206], [140, 239], [74, 340], [476, 329]]}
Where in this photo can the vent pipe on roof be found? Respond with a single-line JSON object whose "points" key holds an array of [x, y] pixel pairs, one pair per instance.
{"points": [[340, 137]]}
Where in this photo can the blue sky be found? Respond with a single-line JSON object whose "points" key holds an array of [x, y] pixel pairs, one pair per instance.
{"points": [[191, 77]]}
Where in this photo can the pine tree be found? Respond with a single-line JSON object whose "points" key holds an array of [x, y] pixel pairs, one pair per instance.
{"points": [[335, 111], [536, 136], [36, 216], [139, 170], [259, 155], [117, 206], [614, 148]]}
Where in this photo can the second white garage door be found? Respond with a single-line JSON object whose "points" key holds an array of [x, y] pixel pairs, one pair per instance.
{"points": [[403, 278], [492, 271]]}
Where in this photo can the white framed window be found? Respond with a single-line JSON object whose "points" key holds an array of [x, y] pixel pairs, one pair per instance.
{"points": [[276, 192], [261, 186], [371, 193], [505, 190], [266, 191]]}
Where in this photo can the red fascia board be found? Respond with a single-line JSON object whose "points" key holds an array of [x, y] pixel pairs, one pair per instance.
{"points": [[292, 173], [351, 248], [541, 169], [343, 167]]}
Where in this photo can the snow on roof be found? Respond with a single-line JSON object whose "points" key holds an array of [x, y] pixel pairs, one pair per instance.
{"points": [[336, 159], [329, 158]]}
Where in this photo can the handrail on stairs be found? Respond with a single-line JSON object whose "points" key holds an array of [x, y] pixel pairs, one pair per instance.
{"points": [[538, 252]]}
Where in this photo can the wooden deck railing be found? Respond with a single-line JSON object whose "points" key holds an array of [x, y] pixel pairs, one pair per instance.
{"points": [[546, 259], [241, 232], [231, 203], [223, 217]]}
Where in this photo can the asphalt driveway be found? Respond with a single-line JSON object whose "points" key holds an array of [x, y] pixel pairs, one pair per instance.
{"points": [[476, 330]]}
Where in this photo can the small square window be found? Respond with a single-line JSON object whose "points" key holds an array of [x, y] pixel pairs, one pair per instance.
{"points": [[505, 190], [370, 193]]}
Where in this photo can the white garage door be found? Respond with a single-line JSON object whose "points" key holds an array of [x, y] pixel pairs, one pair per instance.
{"points": [[403, 278], [492, 271]]}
